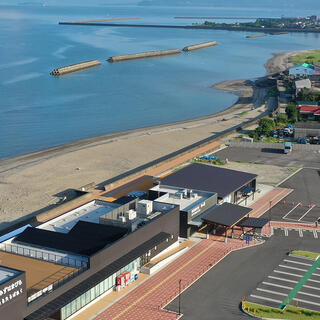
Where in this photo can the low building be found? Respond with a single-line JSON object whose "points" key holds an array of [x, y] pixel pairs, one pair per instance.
{"points": [[304, 69], [228, 184], [309, 112], [302, 84], [68, 262], [192, 203]]}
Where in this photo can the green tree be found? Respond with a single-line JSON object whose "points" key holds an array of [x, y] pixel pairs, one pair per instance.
{"points": [[266, 126], [281, 119], [292, 112]]}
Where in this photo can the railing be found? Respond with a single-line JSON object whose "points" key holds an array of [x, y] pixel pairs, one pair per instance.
{"points": [[45, 256], [48, 286]]}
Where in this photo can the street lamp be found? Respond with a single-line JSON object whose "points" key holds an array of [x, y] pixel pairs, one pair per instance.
{"points": [[180, 296]]}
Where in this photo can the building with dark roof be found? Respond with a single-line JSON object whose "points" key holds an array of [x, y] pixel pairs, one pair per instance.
{"points": [[228, 184], [92, 255]]}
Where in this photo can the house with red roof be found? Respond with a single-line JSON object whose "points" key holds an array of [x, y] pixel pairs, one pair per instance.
{"points": [[309, 112]]}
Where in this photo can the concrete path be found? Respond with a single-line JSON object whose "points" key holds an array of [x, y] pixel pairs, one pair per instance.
{"points": [[147, 300]]}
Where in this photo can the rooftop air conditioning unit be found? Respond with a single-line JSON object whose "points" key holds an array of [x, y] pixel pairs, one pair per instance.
{"points": [[131, 214], [145, 207]]}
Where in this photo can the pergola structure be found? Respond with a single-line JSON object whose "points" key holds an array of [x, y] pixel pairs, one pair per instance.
{"points": [[228, 216]]}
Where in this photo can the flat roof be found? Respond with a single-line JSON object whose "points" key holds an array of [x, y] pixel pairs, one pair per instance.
{"points": [[89, 212], [226, 214], [208, 178], [185, 204], [7, 273], [85, 238]]}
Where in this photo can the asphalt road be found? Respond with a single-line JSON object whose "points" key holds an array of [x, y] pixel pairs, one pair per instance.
{"points": [[306, 184], [217, 295], [275, 157]]}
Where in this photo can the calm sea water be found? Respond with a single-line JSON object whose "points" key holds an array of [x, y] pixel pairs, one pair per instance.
{"points": [[39, 111]]}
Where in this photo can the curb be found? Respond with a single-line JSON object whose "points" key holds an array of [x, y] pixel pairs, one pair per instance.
{"points": [[253, 316]]}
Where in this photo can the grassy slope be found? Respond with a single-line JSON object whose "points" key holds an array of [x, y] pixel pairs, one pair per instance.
{"points": [[312, 57]]}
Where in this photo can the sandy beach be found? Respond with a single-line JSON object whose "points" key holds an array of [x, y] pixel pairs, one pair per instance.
{"points": [[33, 181]]}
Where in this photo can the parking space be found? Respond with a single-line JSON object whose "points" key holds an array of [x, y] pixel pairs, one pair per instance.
{"points": [[296, 233], [303, 204], [290, 280]]}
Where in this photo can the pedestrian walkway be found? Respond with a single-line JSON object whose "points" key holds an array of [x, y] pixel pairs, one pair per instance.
{"points": [[292, 225], [147, 300], [273, 197]]}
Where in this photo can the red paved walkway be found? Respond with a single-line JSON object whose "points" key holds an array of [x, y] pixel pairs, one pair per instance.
{"points": [[272, 197], [294, 225], [147, 300]]}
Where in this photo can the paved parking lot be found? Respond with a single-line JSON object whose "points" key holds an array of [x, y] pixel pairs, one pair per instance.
{"points": [[303, 204], [271, 156], [288, 232], [218, 293], [293, 280]]}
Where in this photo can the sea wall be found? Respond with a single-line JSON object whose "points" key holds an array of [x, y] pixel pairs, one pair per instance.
{"points": [[143, 55], [75, 67], [200, 46]]}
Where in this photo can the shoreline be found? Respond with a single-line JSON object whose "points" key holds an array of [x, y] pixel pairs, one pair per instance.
{"points": [[278, 63], [33, 181]]}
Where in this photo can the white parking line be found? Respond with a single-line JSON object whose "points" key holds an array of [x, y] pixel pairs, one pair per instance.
{"points": [[297, 262], [315, 274], [310, 287], [273, 292], [313, 280], [290, 211], [309, 294], [315, 234], [306, 301], [263, 298], [289, 274], [286, 232], [282, 279], [300, 233], [276, 285], [306, 213], [293, 268]]}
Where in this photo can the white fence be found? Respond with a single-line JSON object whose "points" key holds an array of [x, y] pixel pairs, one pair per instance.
{"points": [[279, 146]]}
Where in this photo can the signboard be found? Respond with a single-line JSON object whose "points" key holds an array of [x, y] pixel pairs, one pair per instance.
{"points": [[10, 292]]}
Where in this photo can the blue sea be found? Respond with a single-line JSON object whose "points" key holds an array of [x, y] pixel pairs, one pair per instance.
{"points": [[39, 111]]}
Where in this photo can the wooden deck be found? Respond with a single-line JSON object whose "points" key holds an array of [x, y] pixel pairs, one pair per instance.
{"points": [[39, 274]]}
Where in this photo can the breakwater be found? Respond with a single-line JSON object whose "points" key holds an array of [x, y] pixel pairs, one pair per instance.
{"points": [[143, 55], [196, 26], [256, 35], [221, 18], [103, 20], [75, 67], [200, 46]]}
